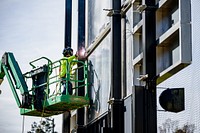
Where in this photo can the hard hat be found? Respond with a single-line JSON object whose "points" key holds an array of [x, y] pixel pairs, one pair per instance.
{"points": [[68, 51]]}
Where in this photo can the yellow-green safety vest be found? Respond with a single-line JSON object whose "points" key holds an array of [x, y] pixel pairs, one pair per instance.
{"points": [[64, 62]]}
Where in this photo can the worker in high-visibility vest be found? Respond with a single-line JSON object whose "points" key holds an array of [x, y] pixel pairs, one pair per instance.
{"points": [[67, 65]]}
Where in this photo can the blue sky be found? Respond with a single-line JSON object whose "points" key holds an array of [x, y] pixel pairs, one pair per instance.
{"points": [[30, 29]]}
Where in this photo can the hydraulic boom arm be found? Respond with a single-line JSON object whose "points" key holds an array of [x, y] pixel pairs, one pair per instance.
{"points": [[10, 68]]}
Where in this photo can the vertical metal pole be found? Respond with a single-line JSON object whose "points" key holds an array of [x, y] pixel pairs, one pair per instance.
{"points": [[68, 22], [66, 122], [53, 125], [68, 19], [149, 66], [81, 43], [117, 106]]}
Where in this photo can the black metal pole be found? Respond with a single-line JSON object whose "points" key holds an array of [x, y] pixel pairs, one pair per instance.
{"points": [[68, 22], [66, 122], [67, 42], [53, 125], [81, 43], [149, 66], [117, 106]]}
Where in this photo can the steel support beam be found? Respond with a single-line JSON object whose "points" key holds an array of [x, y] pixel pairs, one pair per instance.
{"points": [[67, 42], [81, 43], [149, 65], [66, 122], [68, 22], [117, 103]]}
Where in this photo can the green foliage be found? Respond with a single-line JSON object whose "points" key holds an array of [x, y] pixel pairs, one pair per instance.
{"points": [[45, 126]]}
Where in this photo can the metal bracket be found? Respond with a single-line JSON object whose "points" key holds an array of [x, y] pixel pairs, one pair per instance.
{"points": [[141, 8], [143, 77], [112, 12], [112, 100]]}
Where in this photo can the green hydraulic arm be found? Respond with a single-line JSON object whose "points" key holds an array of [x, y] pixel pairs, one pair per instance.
{"points": [[10, 68]]}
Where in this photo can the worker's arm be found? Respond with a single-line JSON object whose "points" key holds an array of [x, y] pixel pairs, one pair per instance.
{"points": [[72, 58]]}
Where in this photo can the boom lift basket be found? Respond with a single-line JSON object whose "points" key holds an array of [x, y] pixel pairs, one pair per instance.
{"points": [[56, 103], [45, 97]]}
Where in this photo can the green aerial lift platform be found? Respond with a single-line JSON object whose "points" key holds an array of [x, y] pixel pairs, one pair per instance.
{"points": [[44, 98]]}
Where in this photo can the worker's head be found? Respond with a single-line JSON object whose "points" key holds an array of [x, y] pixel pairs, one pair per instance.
{"points": [[68, 51]]}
